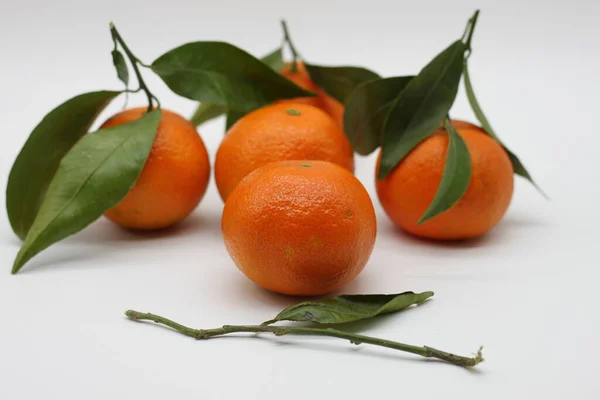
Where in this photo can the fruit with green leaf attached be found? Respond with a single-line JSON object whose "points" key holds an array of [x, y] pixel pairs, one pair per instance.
{"points": [[174, 178], [406, 193]]}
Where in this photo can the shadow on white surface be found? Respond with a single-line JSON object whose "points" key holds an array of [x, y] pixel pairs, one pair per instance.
{"points": [[109, 232], [498, 236], [94, 242]]}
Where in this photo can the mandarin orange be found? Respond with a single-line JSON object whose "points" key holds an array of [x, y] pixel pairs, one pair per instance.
{"points": [[173, 180], [300, 227], [283, 131], [406, 193]]}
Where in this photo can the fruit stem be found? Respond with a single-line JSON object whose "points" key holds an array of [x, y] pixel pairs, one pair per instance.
{"points": [[134, 63], [287, 39], [469, 31], [203, 334]]}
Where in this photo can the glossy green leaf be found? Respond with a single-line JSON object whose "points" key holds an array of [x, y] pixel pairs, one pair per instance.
{"points": [[93, 177], [220, 73], [348, 308], [207, 111], [518, 166], [418, 110], [121, 67], [232, 117], [339, 82], [38, 160], [274, 60], [366, 109], [455, 178]]}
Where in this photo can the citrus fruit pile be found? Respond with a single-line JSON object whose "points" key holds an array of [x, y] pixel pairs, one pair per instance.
{"points": [[295, 219]]}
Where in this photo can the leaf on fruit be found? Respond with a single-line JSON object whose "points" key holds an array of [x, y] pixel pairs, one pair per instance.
{"points": [[220, 73], [421, 106], [366, 109], [93, 177], [348, 308], [39, 158], [455, 178], [339, 82]]}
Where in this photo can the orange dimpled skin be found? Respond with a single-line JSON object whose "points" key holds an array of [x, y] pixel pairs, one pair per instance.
{"points": [[288, 131], [409, 189], [300, 227], [173, 180]]}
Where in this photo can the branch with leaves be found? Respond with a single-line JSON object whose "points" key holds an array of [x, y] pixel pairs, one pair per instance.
{"points": [[65, 178], [399, 113], [332, 311]]}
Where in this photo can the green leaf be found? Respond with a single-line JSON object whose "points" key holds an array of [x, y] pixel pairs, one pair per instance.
{"points": [[339, 82], [348, 308], [92, 178], [38, 160], [366, 109], [207, 111], [232, 117], [518, 167], [456, 176], [121, 67], [418, 110], [223, 74], [274, 60]]}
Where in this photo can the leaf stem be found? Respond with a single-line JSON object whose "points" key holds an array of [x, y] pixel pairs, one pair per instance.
{"points": [[287, 39], [203, 334], [469, 31], [134, 63]]}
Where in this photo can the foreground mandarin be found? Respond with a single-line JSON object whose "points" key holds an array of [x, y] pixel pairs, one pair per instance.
{"points": [[408, 190], [300, 227], [278, 132], [174, 178]]}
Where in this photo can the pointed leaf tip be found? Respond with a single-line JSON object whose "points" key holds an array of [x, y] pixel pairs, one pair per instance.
{"points": [[93, 177]]}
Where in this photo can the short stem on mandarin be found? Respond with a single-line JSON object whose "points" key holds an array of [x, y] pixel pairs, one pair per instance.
{"points": [[134, 63], [287, 39], [203, 334]]}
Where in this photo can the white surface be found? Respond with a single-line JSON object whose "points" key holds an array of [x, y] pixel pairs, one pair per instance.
{"points": [[525, 291]]}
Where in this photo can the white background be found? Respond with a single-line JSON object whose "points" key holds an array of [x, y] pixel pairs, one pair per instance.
{"points": [[526, 291]]}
